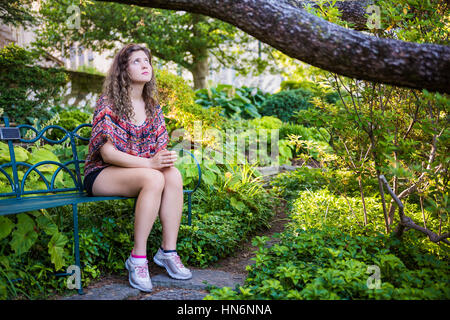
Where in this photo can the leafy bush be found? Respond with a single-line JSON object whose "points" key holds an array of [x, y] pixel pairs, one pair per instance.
{"points": [[327, 263], [318, 90], [288, 184], [70, 119], [306, 142], [21, 78], [284, 104], [266, 122], [177, 101], [324, 254], [210, 239], [315, 134], [236, 103], [33, 155]]}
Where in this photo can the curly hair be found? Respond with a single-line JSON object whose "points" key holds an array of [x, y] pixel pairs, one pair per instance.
{"points": [[117, 84]]}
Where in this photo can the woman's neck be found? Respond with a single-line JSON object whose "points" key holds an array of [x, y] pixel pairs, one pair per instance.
{"points": [[136, 91]]}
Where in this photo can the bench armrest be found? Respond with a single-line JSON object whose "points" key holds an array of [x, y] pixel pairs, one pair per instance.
{"points": [[198, 168]]}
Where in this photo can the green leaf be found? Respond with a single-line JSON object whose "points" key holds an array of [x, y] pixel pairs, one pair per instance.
{"points": [[242, 98], [25, 235], [56, 250], [47, 225], [251, 110], [6, 226], [208, 177], [21, 153], [41, 154], [239, 205], [212, 166], [191, 171]]}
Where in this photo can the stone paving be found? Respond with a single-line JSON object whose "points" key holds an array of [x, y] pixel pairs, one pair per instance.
{"points": [[176, 294], [165, 288]]}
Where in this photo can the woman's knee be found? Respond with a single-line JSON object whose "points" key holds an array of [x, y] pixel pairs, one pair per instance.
{"points": [[153, 179], [173, 177]]}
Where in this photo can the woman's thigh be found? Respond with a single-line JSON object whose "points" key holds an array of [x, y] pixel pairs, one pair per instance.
{"points": [[126, 182]]}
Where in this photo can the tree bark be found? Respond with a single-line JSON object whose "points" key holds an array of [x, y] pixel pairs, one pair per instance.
{"points": [[200, 73], [200, 66], [325, 45]]}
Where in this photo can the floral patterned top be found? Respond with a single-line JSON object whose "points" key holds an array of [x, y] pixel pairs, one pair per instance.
{"points": [[143, 140]]}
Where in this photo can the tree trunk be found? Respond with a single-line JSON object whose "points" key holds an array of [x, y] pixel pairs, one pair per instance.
{"points": [[383, 202], [325, 45], [200, 73], [361, 191], [200, 66]]}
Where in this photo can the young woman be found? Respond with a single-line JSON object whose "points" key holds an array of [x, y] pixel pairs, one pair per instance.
{"points": [[128, 157]]}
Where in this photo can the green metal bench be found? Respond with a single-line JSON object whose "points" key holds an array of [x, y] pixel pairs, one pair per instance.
{"points": [[19, 200]]}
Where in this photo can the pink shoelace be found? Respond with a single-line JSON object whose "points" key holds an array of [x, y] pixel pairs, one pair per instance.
{"points": [[142, 271], [178, 261]]}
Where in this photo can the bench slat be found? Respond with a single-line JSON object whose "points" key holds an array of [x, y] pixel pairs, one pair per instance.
{"points": [[11, 206]]}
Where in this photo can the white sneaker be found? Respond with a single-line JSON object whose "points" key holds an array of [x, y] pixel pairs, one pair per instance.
{"points": [[172, 262], [138, 276]]}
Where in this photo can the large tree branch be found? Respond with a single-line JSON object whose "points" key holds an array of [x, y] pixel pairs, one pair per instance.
{"points": [[325, 45]]}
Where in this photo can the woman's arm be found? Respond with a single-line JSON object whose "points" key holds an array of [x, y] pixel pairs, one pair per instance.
{"points": [[111, 155]]}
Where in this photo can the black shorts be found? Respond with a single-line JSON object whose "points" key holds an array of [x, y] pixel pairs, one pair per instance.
{"points": [[89, 180]]}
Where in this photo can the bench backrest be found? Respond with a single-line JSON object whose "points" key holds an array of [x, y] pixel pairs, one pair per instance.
{"points": [[18, 184]]}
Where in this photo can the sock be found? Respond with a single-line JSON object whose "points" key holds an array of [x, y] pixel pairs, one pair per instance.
{"points": [[137, 259], [167, 251]]}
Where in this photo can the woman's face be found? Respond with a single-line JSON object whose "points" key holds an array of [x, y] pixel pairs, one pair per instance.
{"points": [[139, 67]]}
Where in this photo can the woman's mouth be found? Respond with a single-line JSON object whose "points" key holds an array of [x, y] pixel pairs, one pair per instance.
{"points": [[145, 72]]}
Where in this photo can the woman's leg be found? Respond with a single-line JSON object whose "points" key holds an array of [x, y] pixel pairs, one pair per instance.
{"points": [[171, 207], [146, 184]]}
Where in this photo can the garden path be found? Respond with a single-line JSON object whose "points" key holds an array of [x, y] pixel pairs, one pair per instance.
{"points": [[225, 273]]}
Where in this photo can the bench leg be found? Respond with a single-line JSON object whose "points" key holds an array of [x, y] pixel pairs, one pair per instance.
{"points": [[189, 209], [77, 244]]}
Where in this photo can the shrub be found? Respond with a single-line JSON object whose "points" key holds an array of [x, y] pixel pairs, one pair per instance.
{"points": [[70, 119], [329, 95], [328, 264], [266, 122], [236, 103], [284, 104], [21, 78], [314, 134], [324, 254], [106, 230], [177, 101]]}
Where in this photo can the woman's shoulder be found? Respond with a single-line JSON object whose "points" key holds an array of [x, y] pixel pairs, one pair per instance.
{"points": [[104, 109], [103, 102], [104, 106]]}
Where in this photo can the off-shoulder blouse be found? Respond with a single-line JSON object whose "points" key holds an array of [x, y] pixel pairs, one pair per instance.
{"points": [[143, 140]]}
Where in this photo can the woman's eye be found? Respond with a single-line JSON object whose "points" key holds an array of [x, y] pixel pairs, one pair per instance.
{"points": [[146, 60]]}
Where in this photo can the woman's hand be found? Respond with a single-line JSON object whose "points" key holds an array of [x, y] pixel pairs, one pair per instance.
{"points": [[163, 159]]}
